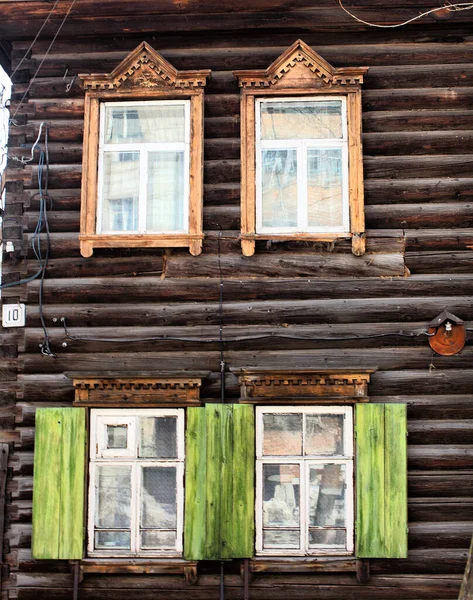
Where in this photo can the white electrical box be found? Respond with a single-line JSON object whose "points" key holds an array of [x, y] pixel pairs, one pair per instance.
{"points": [[13, 315]]}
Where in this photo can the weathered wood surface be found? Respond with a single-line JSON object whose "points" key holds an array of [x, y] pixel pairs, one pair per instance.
{"points": [[160, 308]]}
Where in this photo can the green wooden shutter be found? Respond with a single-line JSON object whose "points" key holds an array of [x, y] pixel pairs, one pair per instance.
{"points": [[58, 486], [381, 481], [220, 463]]}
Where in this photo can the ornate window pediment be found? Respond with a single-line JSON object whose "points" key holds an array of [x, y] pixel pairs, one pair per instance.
{"points": [[142, 169]]}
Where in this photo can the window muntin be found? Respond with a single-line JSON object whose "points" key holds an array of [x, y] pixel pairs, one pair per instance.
{"points": [[136, 482], [304, 480], [302, 165], [143, 172]]}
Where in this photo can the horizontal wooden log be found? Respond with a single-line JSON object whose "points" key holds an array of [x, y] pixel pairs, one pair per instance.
{"points": [[112, 287], [417, 216], [439, 239], [413, 166], [401, 143], [422, 381], [435, 262], [446, 534], [438, 457], [418, 190], [431, 560], [419, 120], [433, 406], [418, 99], [441, 431], [438, 509], [266, 313]]}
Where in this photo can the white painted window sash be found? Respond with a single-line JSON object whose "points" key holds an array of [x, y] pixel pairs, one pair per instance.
{"points": [[99, 419], [302, 146], [305, 463], [143, 149]]}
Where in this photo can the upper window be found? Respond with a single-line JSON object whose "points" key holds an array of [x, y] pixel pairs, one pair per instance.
{"points": [[136, 494], [301, 151], [301, 165], [143, 155], [304, 480]]}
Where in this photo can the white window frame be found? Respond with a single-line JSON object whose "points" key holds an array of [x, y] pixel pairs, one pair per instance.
{"points": [[302, 146], [99, 419], [143, 149], [305, 462]]}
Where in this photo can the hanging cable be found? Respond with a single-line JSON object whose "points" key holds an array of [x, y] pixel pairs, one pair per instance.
{"points": [[25, 56], [32, 80], [220, 323]]}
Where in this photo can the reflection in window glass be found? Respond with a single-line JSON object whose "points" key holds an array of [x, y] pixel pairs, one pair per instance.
{"points": [[154, 123], [301, 119], [158, 437], [113, 496], [282, 434], [158, 498], [325, 187], [324, 435], [327, 495], [279, 180], [165, 202], [281, 495], [117, 436], [121, 184]]}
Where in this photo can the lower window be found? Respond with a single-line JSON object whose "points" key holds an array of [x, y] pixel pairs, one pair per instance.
{"points": [[136, 482], [304, 480]]}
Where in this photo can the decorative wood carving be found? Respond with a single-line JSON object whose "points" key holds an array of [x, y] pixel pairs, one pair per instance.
{"points": [[143, 75], [137, 391], [301, 71], [303, 386]]}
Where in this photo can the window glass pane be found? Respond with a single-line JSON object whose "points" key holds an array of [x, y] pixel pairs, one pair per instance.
{"points": [[158, 437], [281, 538], [282, 434], [113, 496], [327, 495], [158, 539], [324, 435], [327, 538], [279, 192], [324, 187], [109, 540], [158, 497], [281, 495], [302, 119], [142, 124], [117, 436], [165, 208], [121, 184]]}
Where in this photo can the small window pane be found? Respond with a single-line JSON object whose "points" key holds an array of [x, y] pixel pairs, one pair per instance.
{"points": [[109, 540], [327, 495], [158, 497], [121, 184], [282, 434], [113, 489], [327, 538], [324, 435], [281, 495], [158, 539], [165, 209], [279, 180], [158, 437], [302, 119], [117, 436], [325, 187], [281, 538], [143, 124]]}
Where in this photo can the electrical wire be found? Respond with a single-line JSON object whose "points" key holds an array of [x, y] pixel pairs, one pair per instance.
{"points": [[35, 39], [457, 7], [33, 79]]}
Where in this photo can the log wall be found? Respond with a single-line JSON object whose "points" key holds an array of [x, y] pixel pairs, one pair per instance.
{"points": [[285, 307]]}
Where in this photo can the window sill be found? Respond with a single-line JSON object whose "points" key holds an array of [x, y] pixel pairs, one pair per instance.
{"points": [[303, 564], [141, 240], [248, 240], [138, 566]]}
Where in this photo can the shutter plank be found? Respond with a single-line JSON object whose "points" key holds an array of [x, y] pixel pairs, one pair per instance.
{"points": [[58, 484], [243, 481], [196, 478], [370, 490], [71, 507], [228, 465], [396, 481], [213, 490]]}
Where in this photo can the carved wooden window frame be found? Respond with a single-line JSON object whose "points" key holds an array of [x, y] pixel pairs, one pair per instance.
{"points": [[143, 75], [300, 71]]}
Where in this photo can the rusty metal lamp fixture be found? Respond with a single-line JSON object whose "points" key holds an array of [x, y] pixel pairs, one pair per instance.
{"points": [[447, 334]]}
